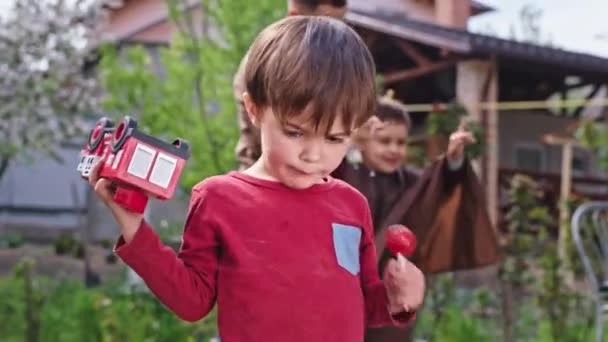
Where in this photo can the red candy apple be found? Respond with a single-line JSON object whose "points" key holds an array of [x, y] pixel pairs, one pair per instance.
{"points": [[400, 240]]}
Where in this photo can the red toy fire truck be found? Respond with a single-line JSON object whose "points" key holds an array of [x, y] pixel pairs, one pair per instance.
{"points": [[140, 165], [99, 139]]}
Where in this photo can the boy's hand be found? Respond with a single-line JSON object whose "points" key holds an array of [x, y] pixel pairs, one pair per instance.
{"points": [[404, 284], [367, 130], [128, 221], [458, 140]]}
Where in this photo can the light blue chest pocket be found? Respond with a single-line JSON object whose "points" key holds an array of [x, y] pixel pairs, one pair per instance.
{"points": [[346, 245]]}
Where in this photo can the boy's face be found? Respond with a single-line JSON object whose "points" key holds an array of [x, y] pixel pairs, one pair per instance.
{"points": [[296, 155], [385, 151]]}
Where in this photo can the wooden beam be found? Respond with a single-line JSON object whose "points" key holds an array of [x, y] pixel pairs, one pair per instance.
{"points": [[403, 75], [412, 52], [553, 177], [369, 37], [443, 52], [458, 44]]}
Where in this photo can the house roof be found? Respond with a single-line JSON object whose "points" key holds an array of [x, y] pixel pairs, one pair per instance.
{"points": [[468, 43], [131, 20], [480, 8], [453, 39], [157, 15]]}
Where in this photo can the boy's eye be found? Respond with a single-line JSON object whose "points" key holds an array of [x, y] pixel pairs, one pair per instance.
{"points": [[335, 140], [292, 133], [384, 141]]}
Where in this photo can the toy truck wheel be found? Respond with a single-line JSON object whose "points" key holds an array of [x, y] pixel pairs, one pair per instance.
{"points": [[102, 126], [122, 132]]}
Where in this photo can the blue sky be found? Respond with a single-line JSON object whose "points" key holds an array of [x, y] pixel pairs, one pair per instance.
{"points": [[580, 25]]}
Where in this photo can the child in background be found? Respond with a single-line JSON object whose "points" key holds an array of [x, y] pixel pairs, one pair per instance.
{"points": [[285, 250], [376, 165], [443, 206]]}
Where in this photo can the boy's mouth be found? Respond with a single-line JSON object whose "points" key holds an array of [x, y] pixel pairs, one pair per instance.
{"points": [[392, 160], [303, 173]]}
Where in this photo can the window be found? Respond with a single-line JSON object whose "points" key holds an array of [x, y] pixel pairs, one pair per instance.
{"points": [[529, 157], [141, 161], [163, 169], [580, 163]]}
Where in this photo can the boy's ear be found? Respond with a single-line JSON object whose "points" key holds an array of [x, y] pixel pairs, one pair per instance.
{"points": [[253, 111]]}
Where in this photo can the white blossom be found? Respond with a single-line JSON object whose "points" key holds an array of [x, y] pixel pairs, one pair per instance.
{"points": [[46, 91]]}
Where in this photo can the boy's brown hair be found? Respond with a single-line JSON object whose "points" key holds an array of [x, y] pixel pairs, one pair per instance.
{"points": [[390, 109], [315, 66]]}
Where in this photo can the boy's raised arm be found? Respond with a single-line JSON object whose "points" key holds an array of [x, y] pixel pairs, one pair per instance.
{"points": [[184, 282]]}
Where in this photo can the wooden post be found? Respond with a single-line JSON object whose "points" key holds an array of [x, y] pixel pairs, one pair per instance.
{"points": [[567, 144], [91, 278], [564, 210], [492, 142], [477, 83]]}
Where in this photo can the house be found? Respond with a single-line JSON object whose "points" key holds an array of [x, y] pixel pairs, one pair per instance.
{"points": [[426, 55]]}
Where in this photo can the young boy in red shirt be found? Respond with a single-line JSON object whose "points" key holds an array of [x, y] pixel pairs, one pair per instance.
{"points": [[285, 250]]}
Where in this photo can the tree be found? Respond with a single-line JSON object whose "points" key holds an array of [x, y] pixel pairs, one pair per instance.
{"points": [[594, 135], [191, 97], [45, 89], [527, 221], [529, 29]]}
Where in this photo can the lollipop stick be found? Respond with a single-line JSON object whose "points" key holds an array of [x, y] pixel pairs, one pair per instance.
{"points": [[401, 260]]}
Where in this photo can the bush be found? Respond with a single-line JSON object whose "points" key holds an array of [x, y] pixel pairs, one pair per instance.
{"points": [[67, 311], [11, 240], [65, 244]]}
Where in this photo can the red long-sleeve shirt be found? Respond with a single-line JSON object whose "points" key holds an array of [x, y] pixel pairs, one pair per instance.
{"points": [[282, 264]]}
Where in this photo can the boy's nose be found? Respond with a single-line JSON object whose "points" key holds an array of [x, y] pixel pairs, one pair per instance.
{"points": [[311, 152], [395, 148]]}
